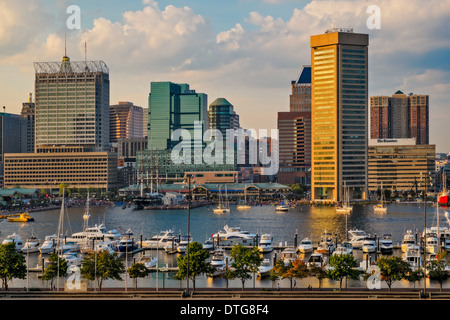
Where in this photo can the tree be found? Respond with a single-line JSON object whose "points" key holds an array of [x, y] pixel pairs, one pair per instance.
{"points": [[12, 264], [414, 276], [294, 269], [57, 267], [197, 262], [437, 269], [342, 266], [393, 269], [101, 266], [245, 261], [138, 270], [320, 272], [63, 186]]}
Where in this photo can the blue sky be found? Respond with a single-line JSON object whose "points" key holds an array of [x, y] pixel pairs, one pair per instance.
{"points": [[246, 51]]}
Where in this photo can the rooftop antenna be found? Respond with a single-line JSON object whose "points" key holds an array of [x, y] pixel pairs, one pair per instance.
{"points": [[85, 52], [65, 45]]}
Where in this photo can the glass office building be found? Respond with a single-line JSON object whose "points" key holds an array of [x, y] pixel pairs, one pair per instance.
{"points": [[339, 114]]}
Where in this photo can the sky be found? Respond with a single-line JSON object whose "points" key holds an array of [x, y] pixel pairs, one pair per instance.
{"points": [[247, 51]]}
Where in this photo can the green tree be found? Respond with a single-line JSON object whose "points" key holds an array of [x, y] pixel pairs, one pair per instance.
{"points": [[12, 264], [437, 269], [320, 272], [138, 270], [414, 276], [342, 266], [296, 269], [57, 267], [198, 263], [102, 266], [245, 261], [393, 269]]}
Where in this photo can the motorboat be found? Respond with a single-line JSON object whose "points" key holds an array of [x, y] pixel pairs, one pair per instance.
{"points": [[182, 245], [14, 238], [432, 244], [306, 246], [160, 240], [265, 268], [281, 208], [96, 232], [170, 247], [71, 246], [288, 255], [413, 256], [357, 238], [343, 248], [344, 209], [126, 244], [408, 239], [21, 217], [72, 258], [369, 245], [326, 244], [317, 259], [446, 245], [149, 261], [266, 243], [218, 261], [48, 245], [111, 246], [208, 244], [231, 236], [386, 244], [31, 245]]}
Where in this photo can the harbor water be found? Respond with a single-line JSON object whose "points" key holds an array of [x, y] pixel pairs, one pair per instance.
{"points": [[297, 223]]}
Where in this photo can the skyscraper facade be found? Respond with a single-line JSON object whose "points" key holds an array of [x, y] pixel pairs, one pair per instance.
{"points": [[400, 116], [125, 121], [222, 116], [27, 122], [72, 99], [174, 106], [339, 114]]}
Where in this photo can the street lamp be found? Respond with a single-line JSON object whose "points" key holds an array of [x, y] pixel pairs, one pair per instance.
{"points": [[189, 181], [426, 183]]}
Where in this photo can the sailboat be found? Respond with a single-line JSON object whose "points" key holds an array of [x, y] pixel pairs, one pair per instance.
{"points": [[245, 205], [222, 207], [346, 207], [444, 195], [381, 207]]}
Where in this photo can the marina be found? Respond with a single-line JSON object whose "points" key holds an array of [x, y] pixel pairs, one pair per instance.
{"points": [[150, 229]]}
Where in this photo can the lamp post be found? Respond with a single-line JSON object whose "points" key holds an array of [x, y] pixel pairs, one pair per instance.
{"points": [[426, 183], [189, 181]]}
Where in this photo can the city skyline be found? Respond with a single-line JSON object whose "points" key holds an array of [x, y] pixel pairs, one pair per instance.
{"points": [[248, 56]]}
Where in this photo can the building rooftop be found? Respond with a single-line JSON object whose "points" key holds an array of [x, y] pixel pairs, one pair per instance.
{"points": [[220, 102]]}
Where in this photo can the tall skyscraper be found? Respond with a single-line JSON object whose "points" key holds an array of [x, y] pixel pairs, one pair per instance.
{"points": [[222, 116], [400, 116], [339, 76], [72, 99], [300, 99], [27, 123], [125, 121], [174, 106]]}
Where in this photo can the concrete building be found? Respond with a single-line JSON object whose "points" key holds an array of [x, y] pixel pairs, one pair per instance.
{"points": [[339, 114], [400, 164]]}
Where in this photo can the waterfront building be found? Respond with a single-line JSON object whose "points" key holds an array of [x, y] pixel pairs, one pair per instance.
{"points": [[399, 164], [27, 116], [400, 116], [126, 121], [339, 114], [300, 98], [9, 138], [207, 177]]}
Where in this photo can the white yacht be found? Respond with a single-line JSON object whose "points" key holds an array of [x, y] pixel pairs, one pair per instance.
{"points": [[412, 256], [432, 244], [266, 243], [148, 261], [48, 245], [408, 239], [31, 245], [317, 259], [344, 248], [306, 246], [281, 208], [160, 240], [96, 232], [288, 255], [326, 244], [208, 244], [14, 238], [265, 268], [386, 244], [369, 246], [126, 244], [71, 246], [111, 246], [232, 236], [182, 245], [357, 238], [218, 261]]}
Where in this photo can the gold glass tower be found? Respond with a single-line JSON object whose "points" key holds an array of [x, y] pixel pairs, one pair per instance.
{"points": [[339, 106]]}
